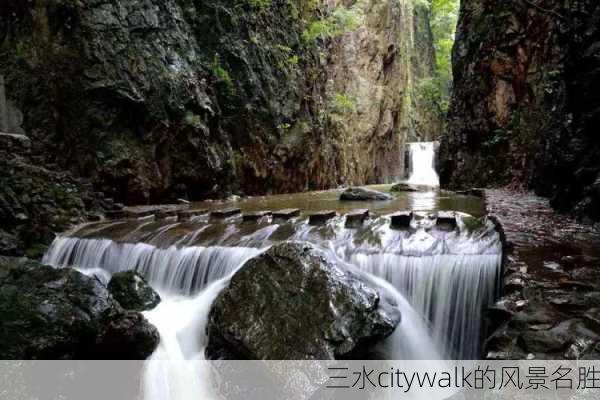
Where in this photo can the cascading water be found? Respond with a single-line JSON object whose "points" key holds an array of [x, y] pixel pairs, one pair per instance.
{"points": [[441, 280], [422, 158], [446, 277]]}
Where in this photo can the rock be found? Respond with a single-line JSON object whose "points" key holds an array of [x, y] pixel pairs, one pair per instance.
{"points": [[363, 194], [132, 292], [9, 245], [497, 315], [255, 216], [321, 217], [542, 341], [189, 214], [48, 313], [514, 283], [485, 145], [225, 213], [405, 187], [292, 303], [401, 220], [288, 213], [356, 218]]}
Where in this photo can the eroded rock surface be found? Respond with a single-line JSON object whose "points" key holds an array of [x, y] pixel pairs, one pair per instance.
{"points": [[291, 303], [132, 292], [525, 107], [48, 313], [363, 194]]}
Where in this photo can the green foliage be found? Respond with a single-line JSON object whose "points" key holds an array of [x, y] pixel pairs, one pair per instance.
{"points": [[431, 92], [222, 75], [341, 21], [192, 119], [342, 104], [444, 16]]}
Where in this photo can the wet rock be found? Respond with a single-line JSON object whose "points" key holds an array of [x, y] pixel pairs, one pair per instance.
{"points": [[292, 303], [401, 220], [132, 292], [405, 187], [363, 194], [356, 218], [514, 283], [288, 213], [321, 217], [226, 213], [48, 313], [543, 341], [189, 214], [497, 315], [9, 245], [255, 216], [592, 319]]}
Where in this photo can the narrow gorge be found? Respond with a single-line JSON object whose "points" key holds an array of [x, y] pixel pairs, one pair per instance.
{"points": [[196, 182]]}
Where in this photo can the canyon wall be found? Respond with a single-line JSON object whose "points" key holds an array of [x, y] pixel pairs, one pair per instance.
{"points": [[526, 104], [157, 99], [137, 101]]}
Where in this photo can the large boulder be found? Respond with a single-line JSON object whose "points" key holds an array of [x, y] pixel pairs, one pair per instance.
{"points": [[48, 313], [132, 292], [363, 194], [292, 303]]}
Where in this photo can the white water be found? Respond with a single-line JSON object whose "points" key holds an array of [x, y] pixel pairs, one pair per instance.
{"points": [[422, 156], [440, 281]]}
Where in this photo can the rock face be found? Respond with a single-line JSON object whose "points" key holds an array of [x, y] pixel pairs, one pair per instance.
{"points": [[291, 303], [37, 201], [155, 100], [47, 313], [526, 104], [362, 194], [132, 292], [375, 71]]}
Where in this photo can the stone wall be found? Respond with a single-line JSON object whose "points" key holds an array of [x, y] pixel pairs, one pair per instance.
{"points": [[526, 107]]}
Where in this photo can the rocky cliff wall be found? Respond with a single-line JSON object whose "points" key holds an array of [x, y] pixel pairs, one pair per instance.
{"points": [[526, 104], [157, 99], [376, 69]]}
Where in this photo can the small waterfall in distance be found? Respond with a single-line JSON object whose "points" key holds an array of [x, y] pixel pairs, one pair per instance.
{"points": [[422, 158]]}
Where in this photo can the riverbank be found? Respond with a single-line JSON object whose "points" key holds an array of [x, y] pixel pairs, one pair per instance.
{"points": [[551, 283]]}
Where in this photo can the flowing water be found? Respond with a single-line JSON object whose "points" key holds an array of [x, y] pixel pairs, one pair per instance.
{"points": [[441, 278], [422, 164]]}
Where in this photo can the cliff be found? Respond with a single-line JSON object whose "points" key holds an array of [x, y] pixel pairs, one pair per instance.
{"points": [[144, 101], [153, 100], [526, 101]]}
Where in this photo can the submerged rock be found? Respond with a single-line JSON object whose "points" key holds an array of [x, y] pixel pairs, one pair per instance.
{"points": [[48, 313], [292, 303], [362, 194], [132, 292], [405, 187]]}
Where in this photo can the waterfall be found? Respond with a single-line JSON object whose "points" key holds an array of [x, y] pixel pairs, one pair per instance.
{"points": [[441, 281], [422, 158]]}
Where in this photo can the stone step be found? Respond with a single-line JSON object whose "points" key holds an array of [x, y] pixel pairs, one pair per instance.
{"points": [[287, 213], [255, 216], [319, 218], [186, 215], [446, 220], [356, 218], [401, 220], [225, 213]]}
